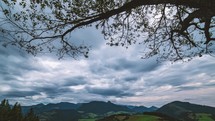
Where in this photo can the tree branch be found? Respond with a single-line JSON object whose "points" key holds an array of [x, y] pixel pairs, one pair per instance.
{"points": [[206, 29]]}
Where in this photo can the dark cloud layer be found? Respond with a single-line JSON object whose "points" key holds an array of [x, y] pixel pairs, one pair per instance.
{"points": [[134, 66], [12, 94], [109, 92], [74, 81]]}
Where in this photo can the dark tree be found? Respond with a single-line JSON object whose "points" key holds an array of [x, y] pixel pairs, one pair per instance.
{"points": [[4, 110], [167, 29], [31, 116], [16, 113]]}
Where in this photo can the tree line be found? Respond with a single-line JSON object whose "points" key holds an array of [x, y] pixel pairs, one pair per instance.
{"points": [[14, 113]]}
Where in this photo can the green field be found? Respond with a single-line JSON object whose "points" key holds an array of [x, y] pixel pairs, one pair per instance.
{"points": [[87, 120], [126, 117], [204, 117], [143, 118]]}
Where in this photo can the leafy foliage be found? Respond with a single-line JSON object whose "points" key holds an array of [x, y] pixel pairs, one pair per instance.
{"points": [[4, 110], [173, 30], [15, 113]]}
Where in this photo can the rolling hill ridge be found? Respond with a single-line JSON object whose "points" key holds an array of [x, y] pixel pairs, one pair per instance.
{"points": [[108, 111], [186, 111]]}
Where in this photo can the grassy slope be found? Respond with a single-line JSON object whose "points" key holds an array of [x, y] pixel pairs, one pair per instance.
{"points": [[143, 118], [87, 120], [139, 117], [204, 117]]}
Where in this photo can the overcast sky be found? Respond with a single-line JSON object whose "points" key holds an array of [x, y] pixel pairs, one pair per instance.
{"points": [[110, 74]]}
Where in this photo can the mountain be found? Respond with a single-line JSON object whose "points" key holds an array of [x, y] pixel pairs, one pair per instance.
{"points": [[174, 111], [141, 109], [99, 107], [108, 111], [40, 108], [63, 106], [152, 108], [187, 111], [25, 109]]}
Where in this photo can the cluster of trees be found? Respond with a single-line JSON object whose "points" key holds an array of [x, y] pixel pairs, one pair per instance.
{"points": [[14, 113]]}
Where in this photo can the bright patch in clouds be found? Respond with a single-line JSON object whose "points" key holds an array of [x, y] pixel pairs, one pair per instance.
{"points": [[5, 88], [42, 95]]}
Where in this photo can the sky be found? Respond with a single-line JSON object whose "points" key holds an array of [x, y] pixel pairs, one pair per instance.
{"points": [[113, 74]]}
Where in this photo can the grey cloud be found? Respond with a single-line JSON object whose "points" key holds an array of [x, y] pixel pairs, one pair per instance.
{"points": [[3, 71], [99, 68], [121, 63], [26, 66], [109, 92], [188, 99], [8, 77], [12, 50], [134, 65], [204, 85], [174, 80], [185, 88], [13, 63], [210, 84], [53, 91], [2, 52], [74, 81], [205, 67], [87, 37], [48, 89], [178, 75], [130, 78], [14, 94]]}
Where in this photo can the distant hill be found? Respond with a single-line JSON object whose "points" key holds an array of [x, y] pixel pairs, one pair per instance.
{"points": [[40, 108], [187, 111], [108, 111], [92, 107], [141, 109], [174, 111], [65, 111], [99, 107]]}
